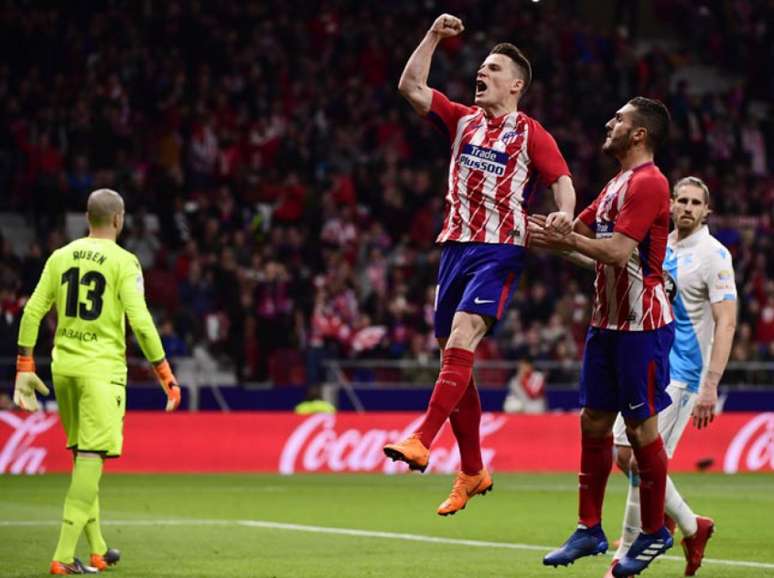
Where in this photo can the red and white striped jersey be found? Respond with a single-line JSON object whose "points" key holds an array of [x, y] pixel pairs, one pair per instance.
{"points": [[494, 168], [634, 203]]}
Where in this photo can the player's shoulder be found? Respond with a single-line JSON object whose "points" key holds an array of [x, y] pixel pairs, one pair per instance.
{"points": [[715, 250], [532, 123], [649, 173], [649, 178], [125, 256], [65, 250], [118, 258]]}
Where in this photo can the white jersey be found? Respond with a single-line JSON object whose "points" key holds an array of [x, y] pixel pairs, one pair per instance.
{"points": [[700, 267]]}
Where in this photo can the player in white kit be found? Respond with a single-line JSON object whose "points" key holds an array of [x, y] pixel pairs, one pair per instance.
{"points": [[703, 297]]}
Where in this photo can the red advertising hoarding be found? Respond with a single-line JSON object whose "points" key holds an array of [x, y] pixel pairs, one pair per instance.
{"points": [[349, 442]]}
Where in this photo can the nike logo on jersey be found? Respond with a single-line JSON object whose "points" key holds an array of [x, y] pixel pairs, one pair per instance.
{"points": [[478, 301], [633, 407]]}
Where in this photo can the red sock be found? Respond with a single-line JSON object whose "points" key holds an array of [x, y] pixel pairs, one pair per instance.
{"points": [[466, 422], [456, 369], [596, 461], [652, 462]]}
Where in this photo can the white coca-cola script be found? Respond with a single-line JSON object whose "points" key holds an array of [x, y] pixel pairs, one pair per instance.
{"points": [[19, 455], [316, 445], [753, 446]]}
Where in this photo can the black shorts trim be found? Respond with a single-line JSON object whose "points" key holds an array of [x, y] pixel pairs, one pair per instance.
{"points": [[103, 453]]}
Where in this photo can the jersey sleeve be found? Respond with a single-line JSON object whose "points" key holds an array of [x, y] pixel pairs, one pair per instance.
{"points": [[641, 206], [132, 294], [719, 276], [588, 216], [545, 156], [445, 114], [38, 305]]}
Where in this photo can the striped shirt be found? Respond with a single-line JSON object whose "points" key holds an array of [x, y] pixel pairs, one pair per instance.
{"points": [[494, 170], [634, 203]]}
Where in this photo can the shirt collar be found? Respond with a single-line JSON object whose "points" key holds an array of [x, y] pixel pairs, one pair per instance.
{"points": [[691, 240], [499, 121]]}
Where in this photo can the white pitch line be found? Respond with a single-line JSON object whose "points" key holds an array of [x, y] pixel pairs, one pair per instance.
{"points": [[357, 533]]}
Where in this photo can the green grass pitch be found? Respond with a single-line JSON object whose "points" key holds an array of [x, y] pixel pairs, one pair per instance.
{"points": [[226, 525]]}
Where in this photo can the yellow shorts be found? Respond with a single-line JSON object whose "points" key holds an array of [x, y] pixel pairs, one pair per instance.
{"points": [[92, 413]]}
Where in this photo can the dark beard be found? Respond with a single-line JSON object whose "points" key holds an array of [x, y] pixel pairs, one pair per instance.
{"points": [[618, 147]]}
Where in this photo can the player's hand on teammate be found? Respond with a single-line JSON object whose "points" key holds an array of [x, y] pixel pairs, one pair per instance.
{"points": [[447, 26], [541, 235], [27, 383], [559, 222], [168, 383]]}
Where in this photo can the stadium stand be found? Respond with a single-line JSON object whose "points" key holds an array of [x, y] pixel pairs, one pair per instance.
{"points": [[284, 200]]}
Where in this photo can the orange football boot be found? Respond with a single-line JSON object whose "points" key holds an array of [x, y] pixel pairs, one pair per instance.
{"points": [[102, 561], [411, 450], [464, 488], [75, 567]]}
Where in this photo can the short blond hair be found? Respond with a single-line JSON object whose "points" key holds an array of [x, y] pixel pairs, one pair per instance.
{"points": [[696, 182]]}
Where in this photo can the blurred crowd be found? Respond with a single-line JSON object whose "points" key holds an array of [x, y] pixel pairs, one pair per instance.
{"points": [[285, 200]]}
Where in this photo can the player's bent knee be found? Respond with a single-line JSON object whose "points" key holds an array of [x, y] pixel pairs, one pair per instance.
{"points": [[642, 433], [597, 423], [623, 458], [467, 330]]}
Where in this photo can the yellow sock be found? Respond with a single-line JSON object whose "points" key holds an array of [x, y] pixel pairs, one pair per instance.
{"points": [[93, 530], [84, 487]]}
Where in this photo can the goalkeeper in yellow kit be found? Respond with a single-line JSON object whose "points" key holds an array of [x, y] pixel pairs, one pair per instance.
{"points": [[94, 284]]}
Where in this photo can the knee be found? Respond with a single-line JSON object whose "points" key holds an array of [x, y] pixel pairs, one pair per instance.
{"points": [[596, 423], [623, 458], [467, 331], [642, 433]]}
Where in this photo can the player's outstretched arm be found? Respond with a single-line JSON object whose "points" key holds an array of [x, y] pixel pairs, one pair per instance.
{"points": [[724, 313], [38, 305], [564, 197], [583, 229], [27, 381], [413, 82], [537, 239], [168, 383], [132, 295], [614, 250]]}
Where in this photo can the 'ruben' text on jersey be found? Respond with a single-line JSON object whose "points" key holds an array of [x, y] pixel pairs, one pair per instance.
{"points": [[95, 256]]}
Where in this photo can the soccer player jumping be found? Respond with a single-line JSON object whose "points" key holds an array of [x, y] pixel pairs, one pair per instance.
{"points": [[626, 358], [704, 304], [93, 283], [498, 154]]}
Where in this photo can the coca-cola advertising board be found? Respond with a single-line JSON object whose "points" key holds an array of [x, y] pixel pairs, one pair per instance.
{"points": [[349, 442]]}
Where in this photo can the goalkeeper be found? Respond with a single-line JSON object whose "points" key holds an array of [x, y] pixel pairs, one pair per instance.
{"points": [[93, 283]]}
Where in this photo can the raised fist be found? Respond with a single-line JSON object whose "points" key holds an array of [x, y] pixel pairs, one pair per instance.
{"points": [[447, 25]]}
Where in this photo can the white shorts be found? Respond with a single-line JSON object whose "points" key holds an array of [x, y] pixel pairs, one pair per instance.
{"points": [[671, 421]]}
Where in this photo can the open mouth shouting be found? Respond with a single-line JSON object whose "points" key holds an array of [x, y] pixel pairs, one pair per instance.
{"points": [[480, 87]]}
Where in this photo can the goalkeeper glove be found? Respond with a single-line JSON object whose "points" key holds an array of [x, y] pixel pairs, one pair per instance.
{"points": [[169, 384], [27, 382]]}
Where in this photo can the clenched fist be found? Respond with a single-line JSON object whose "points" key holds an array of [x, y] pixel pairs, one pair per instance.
{"points": [[446, 26]]}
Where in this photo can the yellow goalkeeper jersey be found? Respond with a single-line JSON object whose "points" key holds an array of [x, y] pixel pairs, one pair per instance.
{"points": [[94, 285]]}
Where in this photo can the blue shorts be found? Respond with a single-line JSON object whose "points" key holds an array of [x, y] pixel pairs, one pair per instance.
{"points": [[627, 371], [476, 278]]}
